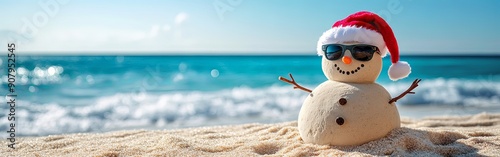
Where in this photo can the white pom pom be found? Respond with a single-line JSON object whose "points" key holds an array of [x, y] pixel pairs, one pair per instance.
{"points": [[399, 70]]}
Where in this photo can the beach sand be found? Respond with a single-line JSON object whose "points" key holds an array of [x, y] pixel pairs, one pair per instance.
{"points": [[439, 136]]}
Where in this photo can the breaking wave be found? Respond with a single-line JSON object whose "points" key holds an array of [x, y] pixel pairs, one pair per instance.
{"points": [[229, 106]]}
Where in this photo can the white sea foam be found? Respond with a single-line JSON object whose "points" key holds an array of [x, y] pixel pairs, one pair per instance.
{"points": [[451, 92], [230, 106]]}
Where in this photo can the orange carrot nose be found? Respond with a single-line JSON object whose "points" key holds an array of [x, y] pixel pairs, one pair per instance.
{"points": [[346, 60]]}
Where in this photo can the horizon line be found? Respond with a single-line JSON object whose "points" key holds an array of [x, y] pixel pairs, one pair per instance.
{"points": [[240, 54]]}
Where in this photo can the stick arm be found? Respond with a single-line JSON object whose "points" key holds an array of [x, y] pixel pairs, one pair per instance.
{"points": [[295, 85], [408, 91]]}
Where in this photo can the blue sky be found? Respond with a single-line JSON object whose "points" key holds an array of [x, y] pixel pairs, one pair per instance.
{"points": [[239, 26]]}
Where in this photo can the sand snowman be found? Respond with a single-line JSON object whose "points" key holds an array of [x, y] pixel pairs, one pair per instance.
{"points": [[350, 108]]}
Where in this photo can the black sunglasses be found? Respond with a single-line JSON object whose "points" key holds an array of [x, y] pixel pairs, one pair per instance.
{"points": [[360, 52]]}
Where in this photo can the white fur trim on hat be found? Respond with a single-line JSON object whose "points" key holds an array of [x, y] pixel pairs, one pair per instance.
{"points": [[399, 70], [338, 35]]}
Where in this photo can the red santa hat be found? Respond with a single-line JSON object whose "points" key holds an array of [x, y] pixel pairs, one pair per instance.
{"points": [[367, 28]]}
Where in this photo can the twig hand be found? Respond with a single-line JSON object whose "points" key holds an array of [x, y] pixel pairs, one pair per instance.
{"points": [[296, 86], [408, 91]]}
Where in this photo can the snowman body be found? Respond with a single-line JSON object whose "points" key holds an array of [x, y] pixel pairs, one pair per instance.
{"points": [[340, 113]]}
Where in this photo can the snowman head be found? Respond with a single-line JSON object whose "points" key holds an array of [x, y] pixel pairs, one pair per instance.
{"points": [[353, 49], [351, 62]]}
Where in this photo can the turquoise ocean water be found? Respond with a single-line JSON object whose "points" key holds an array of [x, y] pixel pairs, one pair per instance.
{"points": [[66, 94]]}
